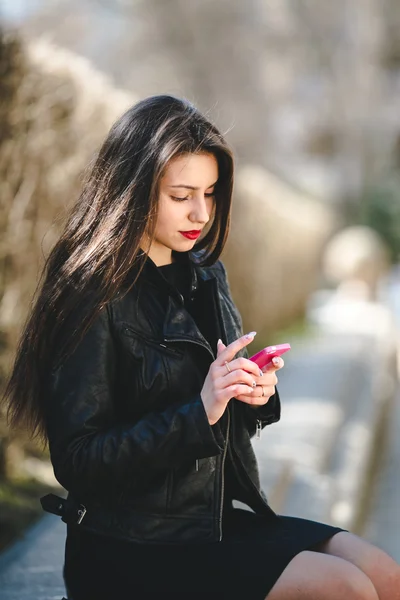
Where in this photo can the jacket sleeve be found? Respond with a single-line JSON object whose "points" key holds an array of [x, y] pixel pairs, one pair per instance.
{"points": [[89, 446], [267, 413]]}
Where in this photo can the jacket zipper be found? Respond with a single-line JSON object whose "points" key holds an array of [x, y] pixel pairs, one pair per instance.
{"points": [[223, 335], [209, 351], [129, 330], [229, 417], [190, 342], [221, 508]]}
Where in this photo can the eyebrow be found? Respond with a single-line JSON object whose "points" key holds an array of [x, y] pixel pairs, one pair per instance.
{"points": [[191, 187]]}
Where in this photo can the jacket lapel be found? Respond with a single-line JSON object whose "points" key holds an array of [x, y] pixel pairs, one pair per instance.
{"points": [[179, 325]]}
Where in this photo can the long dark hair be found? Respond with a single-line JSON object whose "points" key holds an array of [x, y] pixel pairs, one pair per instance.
{"points": [[101, 240]]}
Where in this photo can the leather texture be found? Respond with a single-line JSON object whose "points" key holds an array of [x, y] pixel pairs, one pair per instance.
{"points": [[128, 433]]}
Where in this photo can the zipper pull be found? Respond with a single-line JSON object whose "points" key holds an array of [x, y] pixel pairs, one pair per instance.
{"points": [[258, 429], [197, 464]]}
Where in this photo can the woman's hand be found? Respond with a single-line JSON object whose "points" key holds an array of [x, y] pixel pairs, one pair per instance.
{"points": [[265, 383], [229, 377]]}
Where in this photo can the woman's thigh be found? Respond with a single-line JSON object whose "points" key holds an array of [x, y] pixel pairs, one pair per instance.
{"points": [[313, 576], [380, 568]]}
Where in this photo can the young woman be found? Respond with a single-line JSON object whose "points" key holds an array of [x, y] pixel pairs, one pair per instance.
{"points": [[133, 366]]}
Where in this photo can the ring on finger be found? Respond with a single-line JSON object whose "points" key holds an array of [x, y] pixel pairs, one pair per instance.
{"points": [[227, 367], [263, 391]]}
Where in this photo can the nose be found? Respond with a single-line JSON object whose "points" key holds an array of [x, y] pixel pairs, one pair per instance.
{"points": [[200, 212]]}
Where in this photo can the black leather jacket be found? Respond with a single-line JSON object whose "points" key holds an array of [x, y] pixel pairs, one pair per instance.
{"points": [[128, 434]]}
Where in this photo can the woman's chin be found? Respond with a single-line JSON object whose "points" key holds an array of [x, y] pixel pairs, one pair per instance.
{"points": [[183, 245]]}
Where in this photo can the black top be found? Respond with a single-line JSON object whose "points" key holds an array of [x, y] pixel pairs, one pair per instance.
{"points": [[179, 275]]}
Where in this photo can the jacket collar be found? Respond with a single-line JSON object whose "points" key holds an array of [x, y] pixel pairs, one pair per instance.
{"points": [[178, 323], [152, 273]]}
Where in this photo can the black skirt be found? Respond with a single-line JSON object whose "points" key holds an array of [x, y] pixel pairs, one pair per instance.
{"points": [[246, 564]]}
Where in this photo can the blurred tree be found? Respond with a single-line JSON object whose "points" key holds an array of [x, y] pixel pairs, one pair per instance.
{"points": [[211, 52], [391, 49], [306, 88], [218, 51], [381, 211], [346, 42]]}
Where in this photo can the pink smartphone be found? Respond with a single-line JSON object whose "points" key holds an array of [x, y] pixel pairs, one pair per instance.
{"points": [[265, 356]]}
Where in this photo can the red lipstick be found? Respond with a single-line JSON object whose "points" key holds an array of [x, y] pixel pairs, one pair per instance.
{"points": [[191, 235]]}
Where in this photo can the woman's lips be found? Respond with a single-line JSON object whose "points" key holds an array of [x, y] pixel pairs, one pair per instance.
{"points": [[191, 235]]}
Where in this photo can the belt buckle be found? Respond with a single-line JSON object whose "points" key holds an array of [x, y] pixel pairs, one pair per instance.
{"points": [[81, 513]]}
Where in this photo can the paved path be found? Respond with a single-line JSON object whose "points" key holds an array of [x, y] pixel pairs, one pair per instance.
{"points": [[32, 568], [384, 523]]}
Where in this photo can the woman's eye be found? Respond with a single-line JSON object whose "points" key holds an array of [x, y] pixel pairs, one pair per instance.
{"points": [[179, 199]]}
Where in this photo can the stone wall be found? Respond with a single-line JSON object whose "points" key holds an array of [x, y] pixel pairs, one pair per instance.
{"points": [[273, 255]]}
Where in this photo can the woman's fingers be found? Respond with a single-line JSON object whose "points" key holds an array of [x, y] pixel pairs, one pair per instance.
{"points": [[256, 400], [238, 376], [276, 363], [226, 354], [232, 349], [259, 396], [226, 363], [265, 384], [234, 391], [245, 364]]}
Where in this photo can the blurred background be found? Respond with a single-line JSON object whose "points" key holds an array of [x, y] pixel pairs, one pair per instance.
{"points": [[306, 92]]}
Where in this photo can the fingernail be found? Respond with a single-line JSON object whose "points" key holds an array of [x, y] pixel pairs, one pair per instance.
{"points": [[276, 361], [251, 334], [261, 373]]}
